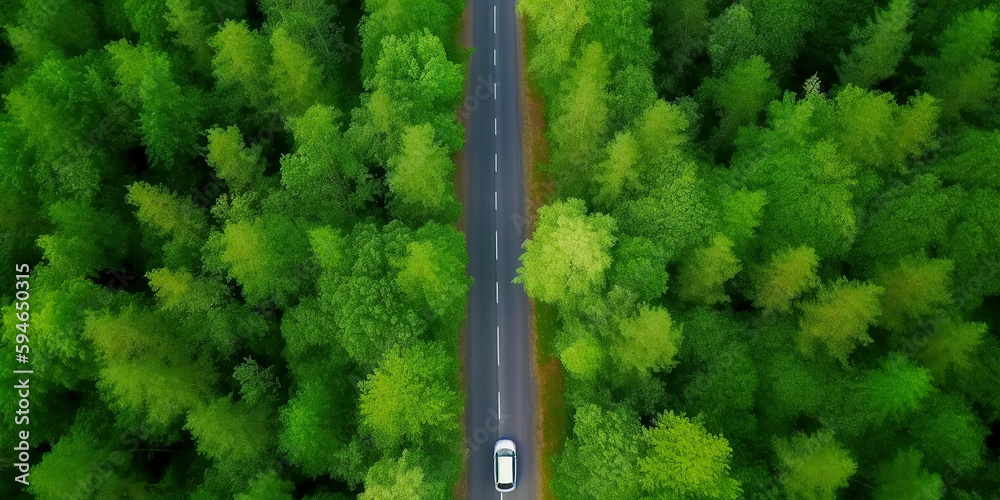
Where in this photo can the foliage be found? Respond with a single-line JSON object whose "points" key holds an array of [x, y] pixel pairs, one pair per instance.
{"points": [[685, 461], [879, 46], [568, 255], [815, 466], [224, 207], [809, 188], [816, 183], [703, 274], [789, 274], [408, 399], [839, 318], [648, 342]]}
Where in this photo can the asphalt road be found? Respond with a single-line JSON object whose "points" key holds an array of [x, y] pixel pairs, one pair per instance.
{"points": [[498, 344]]}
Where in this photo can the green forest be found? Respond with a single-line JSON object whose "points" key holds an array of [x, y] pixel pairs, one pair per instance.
{"points": [[240, 218], [771, 246]]}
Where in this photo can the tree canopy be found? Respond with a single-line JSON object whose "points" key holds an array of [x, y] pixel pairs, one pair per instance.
{"points": [[795, 290], [246, 280]]}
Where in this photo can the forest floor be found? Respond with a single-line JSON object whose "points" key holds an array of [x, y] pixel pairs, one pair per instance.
{"points": [[551, 412]]}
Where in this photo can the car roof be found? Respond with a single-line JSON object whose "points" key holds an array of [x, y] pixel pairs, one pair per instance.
{"points": [[505, 472]]}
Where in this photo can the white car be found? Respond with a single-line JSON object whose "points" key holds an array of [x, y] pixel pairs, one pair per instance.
{"points": [[504, 465]]}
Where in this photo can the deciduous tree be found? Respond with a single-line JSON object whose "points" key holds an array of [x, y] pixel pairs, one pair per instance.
{"points": [[879, 46], [421, 176], [815, 466], [295, 76], [903, 477], [602, 456], [703, 274], [648, 342], [789, 274], [685, 461], [580, 121], [963, 75], [411, 399], [913, 289], [839, 318], [568, 255]]}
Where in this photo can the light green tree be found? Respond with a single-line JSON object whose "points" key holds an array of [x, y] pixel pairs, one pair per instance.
{"points": [[674, 215], [422, 177], [47, 118], [296, 78], [170, 112], [415, 83], [82, 241], [740, 96], [432, 272], [568, 255], [189, 21], [241, 56], [838, 319], [241, 167], [623, 27], [83, 461], [872, 131], [739, 216], [145, 370], [662, 130], [619, 171], [703, 274], [410, 398], [648, 342], [559, 25], [268, 485], [318, 424], [789, 274], [37, 30], [913, 289], [176, 222], [402, 477], [361, 291], [815, 466], [387, 18], [685, 461], [584, 358], [268, 256], [322, 178], [630, 92], [601, 458], [237, 437], [733, 38], [317, 26], [951, 346], [580, 122], [810, 195]]}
